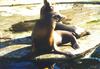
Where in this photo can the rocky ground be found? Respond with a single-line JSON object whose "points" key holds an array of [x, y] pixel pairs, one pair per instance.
{"points": [[86, 17]]}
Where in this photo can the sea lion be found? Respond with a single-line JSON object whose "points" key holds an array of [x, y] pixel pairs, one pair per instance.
{"points": [[45, 38]]}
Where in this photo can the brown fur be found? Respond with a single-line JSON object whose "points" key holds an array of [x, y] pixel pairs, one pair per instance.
{"points": [[43, 40], [43, 31]]}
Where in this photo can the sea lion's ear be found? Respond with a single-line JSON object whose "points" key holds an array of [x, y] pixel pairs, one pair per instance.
{"points": [[46, 3]]}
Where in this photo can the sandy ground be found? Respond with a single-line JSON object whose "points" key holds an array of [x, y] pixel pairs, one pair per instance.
{"points": [[85, 17], [77, 15]]}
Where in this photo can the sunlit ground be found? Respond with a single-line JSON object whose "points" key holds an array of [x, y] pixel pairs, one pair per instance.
{"points": [[87, 17]]}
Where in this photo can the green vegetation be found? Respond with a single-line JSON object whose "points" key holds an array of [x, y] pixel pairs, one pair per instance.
{"points": [[95, 21]]}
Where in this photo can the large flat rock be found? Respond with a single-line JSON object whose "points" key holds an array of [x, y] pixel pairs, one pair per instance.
{"points": [[19, 49]]}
